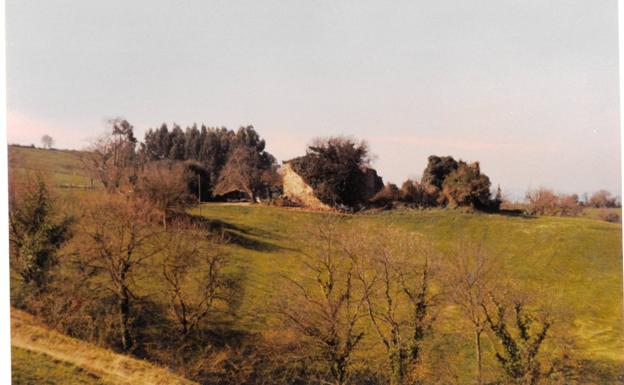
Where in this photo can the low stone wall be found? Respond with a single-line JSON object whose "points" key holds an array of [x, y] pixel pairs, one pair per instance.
{"points": [[298, 191]]}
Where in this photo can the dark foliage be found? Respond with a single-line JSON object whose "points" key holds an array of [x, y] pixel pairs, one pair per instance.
{"points": [[447, 181], [209, 150], [35, 234], [467, 186], [336, 168], [438, 168]]}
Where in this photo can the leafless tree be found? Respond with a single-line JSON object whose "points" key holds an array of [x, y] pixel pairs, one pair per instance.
{"points": [[47, 141], [246, 170], [324, 305], [111, 158], [165, 185], [602, 198], [116, 239], [520, 332], [471, 276], [395, 271], [193, 271], [543, 201]]}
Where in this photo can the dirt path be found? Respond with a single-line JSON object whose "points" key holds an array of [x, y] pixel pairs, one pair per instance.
{"points": [[28, 334]]}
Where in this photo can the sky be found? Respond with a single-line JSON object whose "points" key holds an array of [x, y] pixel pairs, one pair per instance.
{"points": [[527, 88]]}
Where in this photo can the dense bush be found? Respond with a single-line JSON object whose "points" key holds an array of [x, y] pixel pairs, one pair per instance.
{"points": [[466, 186], [36, 231], [446, 181]]}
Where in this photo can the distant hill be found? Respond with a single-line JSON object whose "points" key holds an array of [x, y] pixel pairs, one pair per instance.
{"points": [[43, 356]]}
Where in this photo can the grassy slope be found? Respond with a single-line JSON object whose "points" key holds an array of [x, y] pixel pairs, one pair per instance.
{"points": [[29, 367], [578, 260], [62, 166], [43, 356]]}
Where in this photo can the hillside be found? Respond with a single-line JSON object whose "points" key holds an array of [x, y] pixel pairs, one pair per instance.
{"points": [[43, 356], [575, 262], [578, 259], [62, 166]]}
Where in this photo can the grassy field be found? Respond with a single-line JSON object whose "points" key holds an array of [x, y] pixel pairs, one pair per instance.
{"points": [[30, 368], [61, 166], [576, 261]]}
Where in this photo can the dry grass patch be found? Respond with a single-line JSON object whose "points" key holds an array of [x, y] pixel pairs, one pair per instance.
{"points": [[28, 334]]}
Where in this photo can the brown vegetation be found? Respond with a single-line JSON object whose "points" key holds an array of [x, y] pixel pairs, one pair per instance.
{"points": [[545, 202]]}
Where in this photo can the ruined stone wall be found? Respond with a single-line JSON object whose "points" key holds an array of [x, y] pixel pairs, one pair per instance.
{"points": [[297, 190]]}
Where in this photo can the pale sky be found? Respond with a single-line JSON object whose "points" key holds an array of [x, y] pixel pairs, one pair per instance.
{"points": [[528, 88]]}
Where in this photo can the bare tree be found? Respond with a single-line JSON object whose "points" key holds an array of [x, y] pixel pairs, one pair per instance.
{"points": [[471, 276], [545, 202], [324, 305], [111, 158], [116, 240], [193, 271], [47, 141], [165, 185], [520, 335], [246, 170], [396, 272], [602, 198]]}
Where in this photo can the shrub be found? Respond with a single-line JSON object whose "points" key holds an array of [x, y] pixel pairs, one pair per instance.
{"points": [[569, 205], [545, 202], [388, 194], [602, 198], [609, 216], [411, 192], [438, 168], [466, 186], [36, 233]]}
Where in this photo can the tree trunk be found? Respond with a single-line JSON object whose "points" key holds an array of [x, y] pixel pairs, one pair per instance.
{"points": [[478, 348], [397, 367], [124, 316], [339, 372]]}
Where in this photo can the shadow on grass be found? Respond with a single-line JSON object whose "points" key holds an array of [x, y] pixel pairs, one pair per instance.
{"points": [[234, 234], [515, 213]]}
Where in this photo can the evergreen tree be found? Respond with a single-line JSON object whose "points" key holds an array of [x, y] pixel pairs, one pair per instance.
{"points": [[35, 236], [178, 144]]}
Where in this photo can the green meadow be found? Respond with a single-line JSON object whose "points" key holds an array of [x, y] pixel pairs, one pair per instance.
{"points": [[576, 261]]}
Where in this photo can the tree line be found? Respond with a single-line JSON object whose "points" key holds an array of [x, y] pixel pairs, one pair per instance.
{"points": [[229, 162], [219, 163], [230, 158]]}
